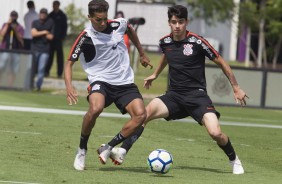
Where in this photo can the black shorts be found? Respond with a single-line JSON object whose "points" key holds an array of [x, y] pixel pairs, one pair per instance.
{"points": [[194, 103], [121, 95]]}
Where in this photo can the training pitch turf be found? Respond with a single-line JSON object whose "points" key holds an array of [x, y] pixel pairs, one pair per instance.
{"points": [[39, 147]]}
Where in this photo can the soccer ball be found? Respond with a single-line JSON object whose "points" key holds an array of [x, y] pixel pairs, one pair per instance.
{"points": [[160, 161]]}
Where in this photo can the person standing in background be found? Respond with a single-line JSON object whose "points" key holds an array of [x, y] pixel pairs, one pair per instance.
{"points": [[42, 32], [29, 17], [60, 20], [12, 38], [12, 33]]}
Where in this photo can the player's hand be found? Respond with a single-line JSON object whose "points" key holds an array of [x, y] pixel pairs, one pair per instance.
{"points": [[72, 96], [149, 80], [145, 61], [240, 97]]}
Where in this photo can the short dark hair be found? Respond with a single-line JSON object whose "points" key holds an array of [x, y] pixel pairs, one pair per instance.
{"points": [[179, 11], [30, 4], [56, 3], [14, 13], [119, 13], [97, 6], [43, 10]]}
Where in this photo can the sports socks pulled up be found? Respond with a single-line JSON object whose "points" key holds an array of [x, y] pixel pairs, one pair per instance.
{"points": [[127, 144], [83, 141], [116, 140], [229, 150]]}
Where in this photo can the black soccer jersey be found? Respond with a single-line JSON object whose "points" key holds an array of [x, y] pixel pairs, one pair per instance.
{"points": [[186, 60]]}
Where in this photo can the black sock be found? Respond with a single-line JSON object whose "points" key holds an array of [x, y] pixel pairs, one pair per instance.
{"points": [[229, 150], [128, 143], [116, 140], [83, 141]]}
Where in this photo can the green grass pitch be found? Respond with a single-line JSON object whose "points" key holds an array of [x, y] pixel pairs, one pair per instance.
{"points": [[40, 147]]}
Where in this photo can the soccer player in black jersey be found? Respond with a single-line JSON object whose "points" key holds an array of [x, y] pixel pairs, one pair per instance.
{"points": [[184, 52], [104, 57]]}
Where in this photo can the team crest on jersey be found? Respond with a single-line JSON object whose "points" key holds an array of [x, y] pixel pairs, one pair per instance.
{"points": [[167, 40], [188, 49]]}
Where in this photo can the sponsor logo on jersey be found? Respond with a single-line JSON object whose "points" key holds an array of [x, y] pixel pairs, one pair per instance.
{"points": [[115, 46], [168, 49], [199, 41], [167, 40], [94, 32], [192, 39], [210, 108], [114, 24], [188, 49], [205, 47], [77, 47]]}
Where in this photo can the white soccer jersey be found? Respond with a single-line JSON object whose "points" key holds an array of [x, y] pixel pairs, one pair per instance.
{"points": [[104, 55]]}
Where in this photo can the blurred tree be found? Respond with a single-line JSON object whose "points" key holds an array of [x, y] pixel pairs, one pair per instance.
{"points": [[265, 18], [212, 12], [76, 20]]}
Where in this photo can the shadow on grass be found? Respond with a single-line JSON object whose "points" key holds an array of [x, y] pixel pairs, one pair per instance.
{"points": [[136, 170], [146, 170], [121, 169], [200, 169]]}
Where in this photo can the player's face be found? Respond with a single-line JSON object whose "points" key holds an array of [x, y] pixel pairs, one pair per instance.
{"points": [[178, 27], [99, 21]]}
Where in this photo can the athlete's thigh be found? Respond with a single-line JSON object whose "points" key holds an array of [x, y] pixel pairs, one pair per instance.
{"points": [[156, 109], [102, 93], [135, 107], [198, 103], [125, 96], [174, 107], [96, 101], [210, 121]]}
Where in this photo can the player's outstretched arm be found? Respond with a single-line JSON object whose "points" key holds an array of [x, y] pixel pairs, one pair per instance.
{"points": [[162, 64], [239, 94], [71, 92], [144, 60]]}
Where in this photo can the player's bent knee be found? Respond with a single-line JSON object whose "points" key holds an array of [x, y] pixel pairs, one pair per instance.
{"points": [[95, 111], [150, 112], [140, 117], [216, 135]]}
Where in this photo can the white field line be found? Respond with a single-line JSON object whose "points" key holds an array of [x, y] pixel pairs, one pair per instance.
{"points": [[16, 182], [116, 115], [8, 131], [251, 119]]}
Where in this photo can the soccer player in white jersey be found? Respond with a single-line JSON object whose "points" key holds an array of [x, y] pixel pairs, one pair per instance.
{"points": [[104, 57]]}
